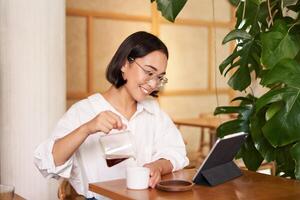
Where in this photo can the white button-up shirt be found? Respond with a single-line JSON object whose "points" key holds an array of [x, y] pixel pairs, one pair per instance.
{"points": [[154, 133]]}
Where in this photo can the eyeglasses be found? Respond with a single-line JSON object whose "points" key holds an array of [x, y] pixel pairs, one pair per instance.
{"points": [[160, 80]]}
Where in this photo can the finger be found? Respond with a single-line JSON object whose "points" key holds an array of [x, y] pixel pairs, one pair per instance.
{"points": [[112, 121], [103, 129], [155, 180], [124, 126], [105, 126], [116, 119], [153, 176]]}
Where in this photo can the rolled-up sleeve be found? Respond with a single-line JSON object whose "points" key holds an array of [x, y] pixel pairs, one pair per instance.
{"points": [[43, 158], [169, 144]]}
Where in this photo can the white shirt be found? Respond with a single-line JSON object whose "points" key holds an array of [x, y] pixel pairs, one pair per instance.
{"points": [[154, 133]]}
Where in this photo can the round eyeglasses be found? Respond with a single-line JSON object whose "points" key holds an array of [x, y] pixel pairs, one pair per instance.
{"points": [[160, 79]]}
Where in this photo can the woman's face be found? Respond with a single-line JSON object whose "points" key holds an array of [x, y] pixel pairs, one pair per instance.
{"points": [[144, 74]]}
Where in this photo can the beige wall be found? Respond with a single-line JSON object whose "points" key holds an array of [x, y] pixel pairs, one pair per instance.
{"points": [[95, 28]]}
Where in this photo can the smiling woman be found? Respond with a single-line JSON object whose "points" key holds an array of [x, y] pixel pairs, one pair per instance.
{"points": [[136, 71]]}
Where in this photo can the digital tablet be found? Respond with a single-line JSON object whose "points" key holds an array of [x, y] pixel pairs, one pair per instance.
{"points": [[218, 165]]}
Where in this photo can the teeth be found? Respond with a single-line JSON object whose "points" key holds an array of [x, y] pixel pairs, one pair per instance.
{"points": [[145, 91]]}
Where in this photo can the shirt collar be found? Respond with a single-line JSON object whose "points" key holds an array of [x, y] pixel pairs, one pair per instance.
{"points": [[146, 105]]}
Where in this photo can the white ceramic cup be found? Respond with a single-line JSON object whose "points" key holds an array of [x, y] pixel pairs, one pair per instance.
{"points": [[137, 178]]}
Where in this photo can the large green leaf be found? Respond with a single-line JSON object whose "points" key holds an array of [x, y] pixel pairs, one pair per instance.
{"points": [[244, 58], [252, 16], [170, 8], [278, 44], [283, 127], [241, 124], [260, 142], [250, 155], [286, 71], [295, 153], [237, 34], [285, 162]]}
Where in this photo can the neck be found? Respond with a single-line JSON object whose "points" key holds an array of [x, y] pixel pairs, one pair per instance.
{"points": [[121, 101]]}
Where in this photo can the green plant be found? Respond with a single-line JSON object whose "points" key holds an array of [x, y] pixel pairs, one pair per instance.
{"points": [[267, 35], [170, 8]]}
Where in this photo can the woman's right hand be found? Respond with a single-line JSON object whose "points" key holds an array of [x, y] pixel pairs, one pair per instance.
{"points": [[105, 122]]}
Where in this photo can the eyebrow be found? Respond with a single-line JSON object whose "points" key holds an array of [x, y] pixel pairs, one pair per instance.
{"points": [[154, 68]]}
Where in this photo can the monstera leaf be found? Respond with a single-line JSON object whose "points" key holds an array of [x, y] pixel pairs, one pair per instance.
{"points": [[244, 59], [251, 15], [278, 44], [283, 127], [170, 8]]}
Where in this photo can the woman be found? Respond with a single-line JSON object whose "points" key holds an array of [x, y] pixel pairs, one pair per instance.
{"points": [[136, 71]]}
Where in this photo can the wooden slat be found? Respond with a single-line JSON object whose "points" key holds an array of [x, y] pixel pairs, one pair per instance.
{"points": [[192, 92], [187, 92], [197, 22], [210, 59], [107, 15], [155, 19], [90, 63]]}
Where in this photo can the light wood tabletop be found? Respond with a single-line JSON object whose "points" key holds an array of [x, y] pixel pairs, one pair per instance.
{"points": [[251, 185], [17, 197]]}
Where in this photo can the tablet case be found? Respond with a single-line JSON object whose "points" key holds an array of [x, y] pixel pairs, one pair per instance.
{"points": [[219, 174], [218, 167]]}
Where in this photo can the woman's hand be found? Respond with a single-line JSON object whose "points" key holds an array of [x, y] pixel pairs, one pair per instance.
{"points": [[155, 173], [105, 122], [157, 169]]}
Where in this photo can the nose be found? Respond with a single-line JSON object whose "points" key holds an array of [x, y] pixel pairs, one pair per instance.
{"points": [[153, 83]]}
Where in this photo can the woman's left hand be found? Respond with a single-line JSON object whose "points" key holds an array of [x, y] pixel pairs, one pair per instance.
{"points": [[155, 173]]}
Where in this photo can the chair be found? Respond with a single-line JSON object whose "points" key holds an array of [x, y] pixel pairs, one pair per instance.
{"points": [[67, 192]]}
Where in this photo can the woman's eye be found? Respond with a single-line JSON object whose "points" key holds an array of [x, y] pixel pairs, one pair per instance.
{"points": [[150, 73]]}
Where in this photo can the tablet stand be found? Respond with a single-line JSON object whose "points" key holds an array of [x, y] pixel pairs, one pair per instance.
{"points": [[219, 174]]}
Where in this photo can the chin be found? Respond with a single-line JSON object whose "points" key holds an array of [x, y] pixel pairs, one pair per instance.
{"points": [[140, 98]]}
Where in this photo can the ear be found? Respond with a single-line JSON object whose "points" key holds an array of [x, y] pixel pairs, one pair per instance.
{"points": [[125, 67]]}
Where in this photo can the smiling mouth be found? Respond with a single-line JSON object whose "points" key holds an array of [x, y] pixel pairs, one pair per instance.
{"points": [[145, 91]]}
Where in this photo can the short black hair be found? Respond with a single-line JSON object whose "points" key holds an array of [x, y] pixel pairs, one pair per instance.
{"points": [[136, 45]]}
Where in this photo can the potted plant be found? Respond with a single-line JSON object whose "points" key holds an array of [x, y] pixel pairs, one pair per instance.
{"points": [[267, 35]]}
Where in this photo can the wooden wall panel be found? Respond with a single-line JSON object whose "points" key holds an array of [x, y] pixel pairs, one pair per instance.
{"points": [[191, 106], [133, 7], [187, 65], [108, 35], [222, 52], [191, 42], [76, 54], [202, 10]]}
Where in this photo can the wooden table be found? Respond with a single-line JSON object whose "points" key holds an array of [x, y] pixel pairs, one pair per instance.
{"points": [[17, 197], [250, 186]]}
